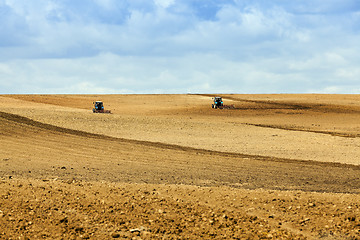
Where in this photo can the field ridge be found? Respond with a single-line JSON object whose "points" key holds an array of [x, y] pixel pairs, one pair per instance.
{"points": [[30, 122]]}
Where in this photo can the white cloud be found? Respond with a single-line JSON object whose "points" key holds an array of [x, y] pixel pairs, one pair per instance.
{"points": [[179, 46], [5, 69], [106, 4], [164, 3]]}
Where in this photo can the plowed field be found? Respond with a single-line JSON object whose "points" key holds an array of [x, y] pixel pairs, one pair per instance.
{"points": [[170, 166]]}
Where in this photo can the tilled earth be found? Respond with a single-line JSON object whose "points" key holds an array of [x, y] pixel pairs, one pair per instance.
{"points": [[56, 209], [275, 167]]}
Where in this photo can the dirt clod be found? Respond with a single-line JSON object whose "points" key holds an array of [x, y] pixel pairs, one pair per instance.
{"points": [[115, 235]]}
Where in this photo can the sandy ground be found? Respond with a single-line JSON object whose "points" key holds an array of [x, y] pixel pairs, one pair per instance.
{"points": [[169, 166], [278, 128]]}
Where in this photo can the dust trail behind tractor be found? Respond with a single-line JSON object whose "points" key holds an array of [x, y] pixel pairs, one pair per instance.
{"points": [[227, 107]]}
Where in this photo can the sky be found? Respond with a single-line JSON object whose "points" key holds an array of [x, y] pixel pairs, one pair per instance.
{"points": [[179, 46]]}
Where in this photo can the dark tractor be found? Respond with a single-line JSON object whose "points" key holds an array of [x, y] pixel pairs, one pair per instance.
{"points": [[99, 107], [218, 102]]}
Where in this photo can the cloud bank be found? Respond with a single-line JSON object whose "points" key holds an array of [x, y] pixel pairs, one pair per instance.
{"points": [[173, 46]]}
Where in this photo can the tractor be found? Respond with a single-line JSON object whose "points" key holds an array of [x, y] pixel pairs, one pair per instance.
{"points": [[99, 107], [218, 102]]}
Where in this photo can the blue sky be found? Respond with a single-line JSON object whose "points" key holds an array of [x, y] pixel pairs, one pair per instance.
{"points": [[180, 46]]}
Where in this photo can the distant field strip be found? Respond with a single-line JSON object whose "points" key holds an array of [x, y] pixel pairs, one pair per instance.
{"points": [[28, 146], [53, 128]]}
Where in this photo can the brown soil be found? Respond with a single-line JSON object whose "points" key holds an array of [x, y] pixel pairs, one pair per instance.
{"points": [[169, 166]]}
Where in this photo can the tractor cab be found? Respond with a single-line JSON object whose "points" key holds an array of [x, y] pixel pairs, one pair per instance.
{"points": [[218, 102], [99, 105]]}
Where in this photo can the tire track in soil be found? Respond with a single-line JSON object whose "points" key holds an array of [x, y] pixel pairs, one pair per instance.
{"points": [[274, 105], [335, 134], [53, 128]]}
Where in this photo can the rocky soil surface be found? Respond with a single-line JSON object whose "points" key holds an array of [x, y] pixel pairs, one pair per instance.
{"points": [[275, 167]]}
